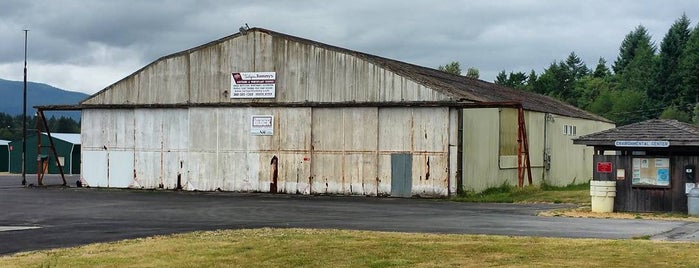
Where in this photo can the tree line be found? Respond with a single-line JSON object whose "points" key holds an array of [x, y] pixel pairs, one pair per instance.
{"points": [[11, 126], [644, 82]]}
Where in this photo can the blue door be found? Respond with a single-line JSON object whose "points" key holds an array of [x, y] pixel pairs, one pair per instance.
{"points": [[401, 175]]}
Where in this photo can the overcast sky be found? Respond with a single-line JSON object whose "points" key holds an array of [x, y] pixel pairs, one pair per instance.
{"points": [[87, 45]]}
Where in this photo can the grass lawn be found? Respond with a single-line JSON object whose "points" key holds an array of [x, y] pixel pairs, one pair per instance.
{"points": [[339, 248], [578, 194], [575, 194]]}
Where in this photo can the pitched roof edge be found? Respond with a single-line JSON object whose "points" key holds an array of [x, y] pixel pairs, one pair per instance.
{"points": [[383, 63]]}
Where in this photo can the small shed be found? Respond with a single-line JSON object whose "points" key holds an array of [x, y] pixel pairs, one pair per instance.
{"points": [[653, 163], [4, 156], [67, 148]]}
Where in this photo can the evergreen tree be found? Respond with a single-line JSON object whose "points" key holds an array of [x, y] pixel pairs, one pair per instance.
{"points": [[501, 78], [601, 70], [559, 80], [627, 50], [576, 67], [517, 80], [589, 89], [639, 73], [531, 82], [689, 71], [668, 80], [514, 80]]}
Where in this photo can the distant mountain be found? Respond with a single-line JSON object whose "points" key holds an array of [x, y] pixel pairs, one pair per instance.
{"points": [[37, 94]]}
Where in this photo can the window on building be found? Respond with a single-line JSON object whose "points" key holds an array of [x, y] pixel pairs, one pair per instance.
{"points": [[509, 131], [649, 171], [570, 130]]}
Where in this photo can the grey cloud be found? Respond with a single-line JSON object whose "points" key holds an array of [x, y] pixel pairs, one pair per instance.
{"points": [[489, 35]]}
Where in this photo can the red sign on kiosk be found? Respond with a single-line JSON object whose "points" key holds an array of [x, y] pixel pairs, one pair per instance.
{"points": [[604, 167]]}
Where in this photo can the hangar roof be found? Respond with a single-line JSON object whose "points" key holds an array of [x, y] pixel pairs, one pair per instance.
{"points": [[673, 131], [465, 88], [462, 88]]}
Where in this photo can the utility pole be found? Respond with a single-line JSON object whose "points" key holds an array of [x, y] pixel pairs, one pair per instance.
{"points": [[24, 115]]}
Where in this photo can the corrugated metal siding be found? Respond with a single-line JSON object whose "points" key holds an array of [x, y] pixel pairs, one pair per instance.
{"points": [[305, 73], [483, 167], [571, 163], [480, 149], [319, 150]]}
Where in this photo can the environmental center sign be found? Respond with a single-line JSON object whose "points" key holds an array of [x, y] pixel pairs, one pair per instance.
{"points": [[253, 85]]}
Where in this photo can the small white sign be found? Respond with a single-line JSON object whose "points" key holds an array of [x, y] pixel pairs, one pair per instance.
{"points": [[688, 187], [262, 125], [253, 85], [642, 143]]}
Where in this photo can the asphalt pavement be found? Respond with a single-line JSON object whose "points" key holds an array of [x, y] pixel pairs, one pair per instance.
{"points": [[53, 216]]}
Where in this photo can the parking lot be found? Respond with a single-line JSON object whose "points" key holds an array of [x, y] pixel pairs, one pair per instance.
{"points": [[54, 216]]}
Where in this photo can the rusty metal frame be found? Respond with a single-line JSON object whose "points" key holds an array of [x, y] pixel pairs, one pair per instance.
{"points": [[40, 113], [523, 163]]}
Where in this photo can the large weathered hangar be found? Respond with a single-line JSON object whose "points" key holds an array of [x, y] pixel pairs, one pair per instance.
{"points": [[265, 111]]}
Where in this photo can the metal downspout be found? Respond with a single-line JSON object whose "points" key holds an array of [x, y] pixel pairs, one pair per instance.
{"points": [[459, 152]]}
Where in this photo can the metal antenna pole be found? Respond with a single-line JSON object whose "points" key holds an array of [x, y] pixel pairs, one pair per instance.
{"points": [[24, 115]]}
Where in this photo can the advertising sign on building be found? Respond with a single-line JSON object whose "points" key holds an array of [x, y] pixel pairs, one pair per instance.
{"points": [[253, 85], [262, 125]]}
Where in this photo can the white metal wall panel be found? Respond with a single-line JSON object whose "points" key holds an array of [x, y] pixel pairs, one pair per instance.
{"points": [[395, 126], [120, 169], [175, 166], [345, 150], [94, 168], [359, 128], [207, 80], [291, 60], [360, 174], [327, 130], [430, 129], [148, 169], [203, 124], [107, 150], [258, 172], [235, 171], [234, 126], [294, 173], [161, 142], [294, 129], [430, 177], [203, 175], [384, 174], [92, 134], [327, 173]]}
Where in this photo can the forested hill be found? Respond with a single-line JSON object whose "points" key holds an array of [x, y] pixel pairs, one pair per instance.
{"points": [[645, 81], [37, 94]]}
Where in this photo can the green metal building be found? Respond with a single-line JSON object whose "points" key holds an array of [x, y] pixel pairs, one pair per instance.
{"points": [[67, 147], [4, 156]]}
